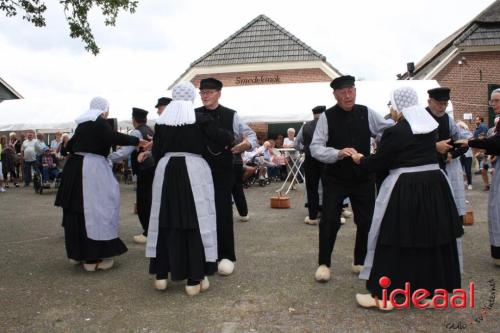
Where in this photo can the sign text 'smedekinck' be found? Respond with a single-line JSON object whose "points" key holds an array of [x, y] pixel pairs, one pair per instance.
{"points": [[257, 80]]}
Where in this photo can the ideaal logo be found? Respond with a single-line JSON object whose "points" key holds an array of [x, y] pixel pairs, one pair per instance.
{"points": [[480, 315], [459, 298]]}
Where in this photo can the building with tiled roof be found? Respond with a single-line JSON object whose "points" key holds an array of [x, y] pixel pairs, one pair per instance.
{"points": [[262, 52], [468, 62]]}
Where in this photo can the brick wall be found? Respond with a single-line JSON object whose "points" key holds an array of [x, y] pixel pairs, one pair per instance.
{"points": [[267, 77], [469, 82], [260, 129]]}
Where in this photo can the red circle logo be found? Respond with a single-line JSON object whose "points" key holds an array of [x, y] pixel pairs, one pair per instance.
{"points": [[384, 282]]}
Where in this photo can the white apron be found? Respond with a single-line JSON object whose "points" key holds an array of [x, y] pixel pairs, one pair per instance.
{"points": [[202, 187], [101, 198], [455, 174]]}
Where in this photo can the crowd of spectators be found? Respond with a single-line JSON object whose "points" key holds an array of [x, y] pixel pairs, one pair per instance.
{"points": [[25, 154]]}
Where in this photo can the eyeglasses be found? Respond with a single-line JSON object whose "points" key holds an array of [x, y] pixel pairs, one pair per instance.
{"points": [[494, 101], [207, 92]]}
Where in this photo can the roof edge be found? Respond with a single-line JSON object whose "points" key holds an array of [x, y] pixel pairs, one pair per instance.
{"points": [[271, 22], [458, 34], [11, 89]]}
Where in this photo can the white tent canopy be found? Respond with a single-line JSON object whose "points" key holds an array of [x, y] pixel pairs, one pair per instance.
{"points": [[260, 103], [293, 102]]}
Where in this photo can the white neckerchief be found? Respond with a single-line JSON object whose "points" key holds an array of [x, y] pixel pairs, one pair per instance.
{"points": [[421, 122], [89, 115], [98, 105], [178, 113]]}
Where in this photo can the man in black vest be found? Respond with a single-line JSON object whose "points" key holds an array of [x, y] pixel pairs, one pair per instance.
{"points": [[220, 160], [144, 170], [312, 167], [341, 131], [437, 103], [448, 156]]}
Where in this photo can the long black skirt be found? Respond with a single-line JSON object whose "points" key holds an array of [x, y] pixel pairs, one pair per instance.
{"points": [[179, 248], [417, 240], [81, 248], [70, 191], [180, 253]]}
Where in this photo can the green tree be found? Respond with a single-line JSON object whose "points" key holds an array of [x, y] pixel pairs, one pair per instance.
{"points": [[75, 11]]}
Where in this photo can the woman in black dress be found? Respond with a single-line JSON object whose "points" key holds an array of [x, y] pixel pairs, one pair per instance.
{"points": [[89, 193], [415, 223], [182, 236]]}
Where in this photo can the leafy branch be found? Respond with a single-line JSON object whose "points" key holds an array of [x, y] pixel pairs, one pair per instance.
{"points": [[75, 12]]}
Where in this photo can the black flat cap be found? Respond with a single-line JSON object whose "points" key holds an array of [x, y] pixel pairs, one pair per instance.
{"points": [[139, 114], [439, 94], [319, 109], [210, 83], [163, 101], [342, 82]]}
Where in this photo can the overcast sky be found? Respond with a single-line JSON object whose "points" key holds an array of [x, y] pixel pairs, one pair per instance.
{"points": [[146, 51]]}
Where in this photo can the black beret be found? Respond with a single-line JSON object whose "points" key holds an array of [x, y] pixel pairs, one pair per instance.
{"points": [[139, 114], [342, 82], [163, 101], [439, 94], [319, 109], [210, 83]]}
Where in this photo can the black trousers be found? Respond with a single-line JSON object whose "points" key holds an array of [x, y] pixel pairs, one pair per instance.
{"points": [[144, 195], [467, 165], [362, 197], [223, 185], [313, 169], [238, 194]]}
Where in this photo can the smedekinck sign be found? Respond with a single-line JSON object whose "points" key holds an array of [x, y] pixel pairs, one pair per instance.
{"points": [[257, 80]]}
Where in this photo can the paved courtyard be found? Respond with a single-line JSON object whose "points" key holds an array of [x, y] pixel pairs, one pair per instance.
{"points": [[272, 289]]}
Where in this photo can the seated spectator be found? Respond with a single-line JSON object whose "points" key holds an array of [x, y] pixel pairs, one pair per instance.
{"points": [[248, 156], [278, 159], [289, 141], [273, 159], [48, 163]]}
